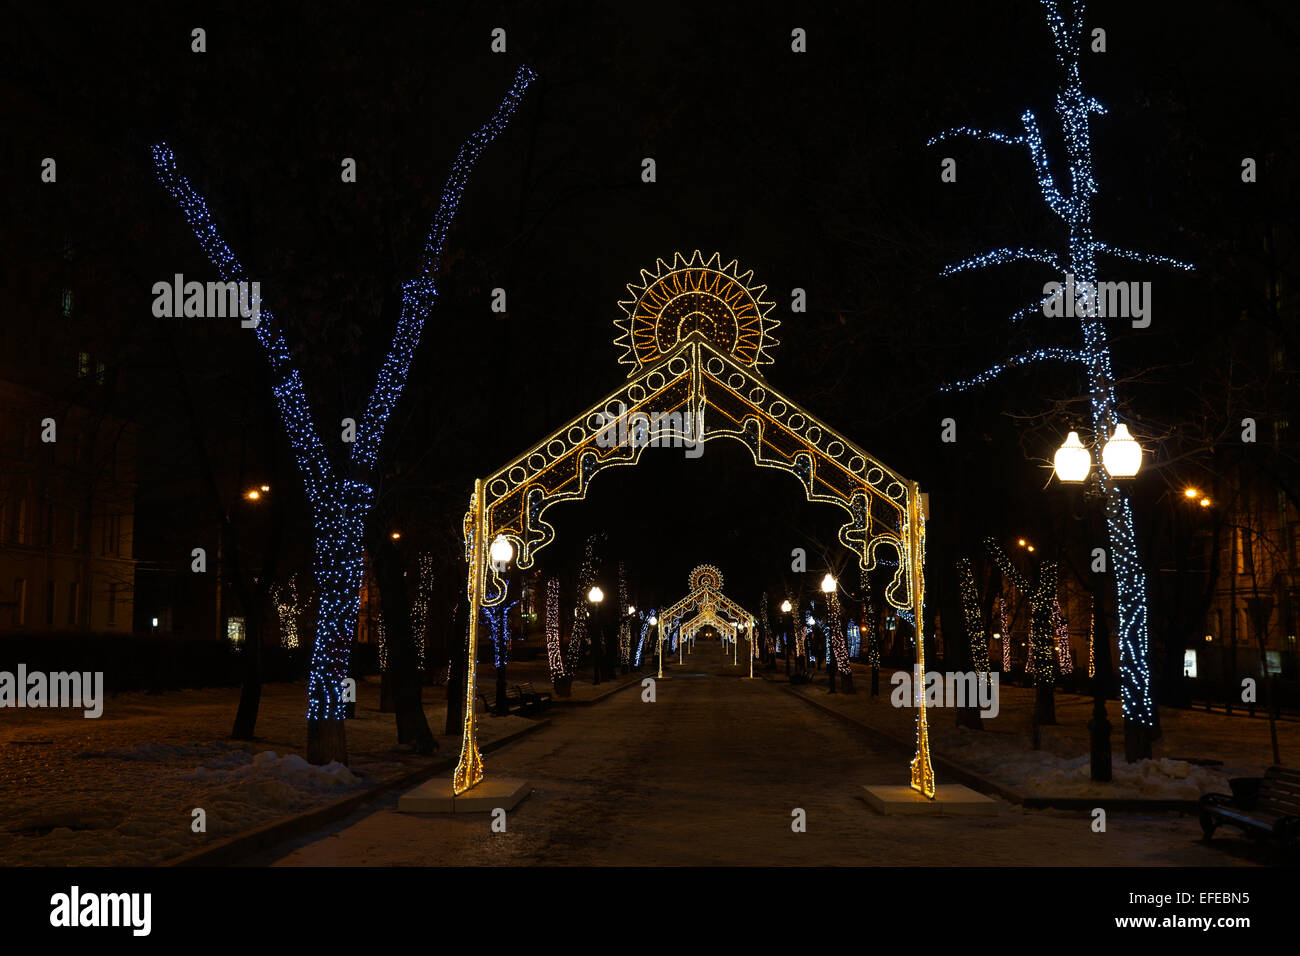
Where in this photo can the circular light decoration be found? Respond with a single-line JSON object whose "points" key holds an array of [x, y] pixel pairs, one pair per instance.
{"points": [[695, 295], [706, 576]]}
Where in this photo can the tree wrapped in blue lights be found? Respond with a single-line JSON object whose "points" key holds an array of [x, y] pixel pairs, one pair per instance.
{"points": [[341, 493], [1091, 353], [498, 621]]}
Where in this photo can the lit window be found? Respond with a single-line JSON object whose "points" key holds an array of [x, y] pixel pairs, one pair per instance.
{"points": [[67, 303], [235, 630], [83, 364], [99, 373]]}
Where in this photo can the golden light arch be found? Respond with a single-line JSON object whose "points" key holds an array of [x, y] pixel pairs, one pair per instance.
{"points": [[711, 608], [699, 385]]}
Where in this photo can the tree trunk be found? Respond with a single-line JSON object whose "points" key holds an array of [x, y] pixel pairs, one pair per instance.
{"points": [[456, 675], [403, 658], [327, 741]]}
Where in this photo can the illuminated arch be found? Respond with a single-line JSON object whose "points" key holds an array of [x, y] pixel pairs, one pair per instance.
{"points": [[700, 389]]}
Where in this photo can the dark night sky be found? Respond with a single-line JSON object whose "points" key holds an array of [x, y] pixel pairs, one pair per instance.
{"points": [[810, 169]]}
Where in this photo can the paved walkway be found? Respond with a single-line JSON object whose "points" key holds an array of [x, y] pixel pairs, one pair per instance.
{"points": [[709, 774]]}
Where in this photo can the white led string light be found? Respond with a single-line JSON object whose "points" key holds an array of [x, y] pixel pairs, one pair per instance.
{"points": [[1074, 109]]}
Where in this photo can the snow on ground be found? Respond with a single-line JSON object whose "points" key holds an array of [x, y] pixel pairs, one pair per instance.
{"points": [[121, 789], [1043, 774], [1197, 753]]}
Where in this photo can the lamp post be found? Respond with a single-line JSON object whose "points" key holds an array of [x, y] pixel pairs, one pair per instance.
{"points": [[1121, 456], [595, 596], [785, 609], [501, 552], [659, 642], [749, 629]]}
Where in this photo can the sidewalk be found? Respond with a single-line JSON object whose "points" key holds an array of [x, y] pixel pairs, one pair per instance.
{"points": [[1001, 751]]}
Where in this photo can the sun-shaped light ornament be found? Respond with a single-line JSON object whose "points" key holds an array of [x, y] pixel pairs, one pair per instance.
{"points": [[706, 576], [695, 295]]}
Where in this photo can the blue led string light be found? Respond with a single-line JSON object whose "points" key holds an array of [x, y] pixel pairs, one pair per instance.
{"points": [[1074, 110], [340, 497], [498, 622]]}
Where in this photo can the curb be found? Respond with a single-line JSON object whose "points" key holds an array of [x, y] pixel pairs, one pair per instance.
{"points": [[228, 851], [983, 784], [570, 702]]}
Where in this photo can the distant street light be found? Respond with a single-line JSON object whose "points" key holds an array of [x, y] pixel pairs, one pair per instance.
{"points": [[828, 584], [595, 595]]}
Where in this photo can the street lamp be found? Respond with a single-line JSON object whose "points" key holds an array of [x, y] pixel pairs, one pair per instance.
{"points": [[595, 595], [659, 642], [1072, 460], [785, 609], [502, 552], [828, 584], [1121, 455]]}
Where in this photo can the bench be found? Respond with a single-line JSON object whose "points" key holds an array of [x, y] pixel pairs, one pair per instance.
{"points": [[536, 700], [1260, 806], [515, 703]]}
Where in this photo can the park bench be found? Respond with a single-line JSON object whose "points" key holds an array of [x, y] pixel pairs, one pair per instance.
{"points": [[515, 703], [1260, 806], [537, 700]]}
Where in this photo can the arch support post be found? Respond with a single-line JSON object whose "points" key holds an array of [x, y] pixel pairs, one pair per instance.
{"points": [[469, 771], [922, 771]]}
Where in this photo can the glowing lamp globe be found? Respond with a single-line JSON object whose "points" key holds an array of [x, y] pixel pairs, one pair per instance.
{"points": [[828, 584], [785, 607], [653, 620], [631, 609], [502, 551], [595, 595], [1072, 460], [1122, 455]]}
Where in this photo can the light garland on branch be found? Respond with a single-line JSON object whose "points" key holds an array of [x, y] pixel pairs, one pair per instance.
{"points": [[554, 653], [1006, 637], [289, 608], [1074, 110], [1041, 661], [498, 622], [1061, 630], [1092, 633], [970, 606], [582, 607], [420, 607], [625, 625], [341, 497]]}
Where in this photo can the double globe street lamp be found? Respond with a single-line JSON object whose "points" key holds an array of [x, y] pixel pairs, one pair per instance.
{"points": [[1121, 456]]}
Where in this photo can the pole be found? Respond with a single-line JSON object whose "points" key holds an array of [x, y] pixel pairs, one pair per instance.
{"points": [[922, 771], [1099, 726], [469, 771]]}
